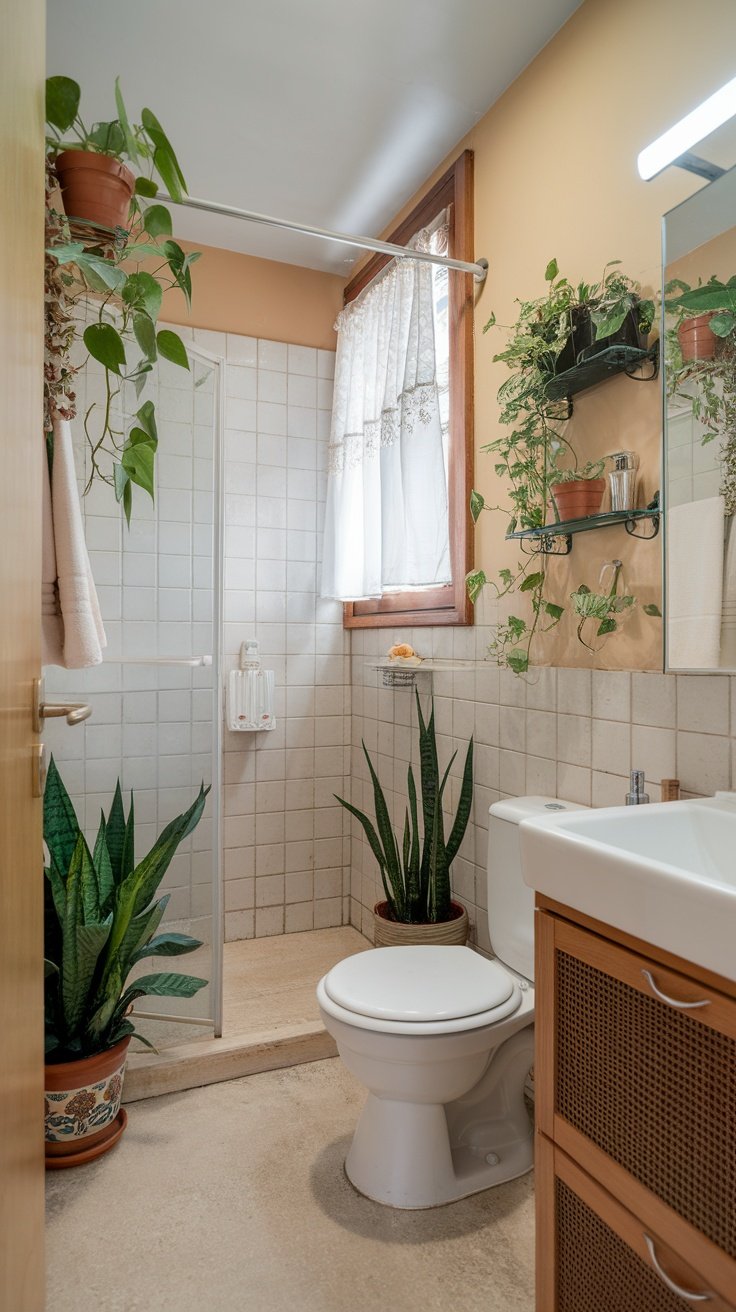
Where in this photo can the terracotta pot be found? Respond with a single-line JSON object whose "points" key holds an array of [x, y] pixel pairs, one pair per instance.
{"points": [[83, 1116], [697, 342], [394, 933], [579, 499], [95, 187]]}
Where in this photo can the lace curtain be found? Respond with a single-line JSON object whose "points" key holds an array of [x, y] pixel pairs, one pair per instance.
{"points": [[386, 523]]}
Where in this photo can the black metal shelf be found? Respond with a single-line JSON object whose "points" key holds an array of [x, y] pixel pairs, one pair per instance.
{"points": [[556, 539], [600, 366]]}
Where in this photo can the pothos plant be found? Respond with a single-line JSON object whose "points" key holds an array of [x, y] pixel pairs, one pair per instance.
{"points": [[534, 440], [126, 297]]}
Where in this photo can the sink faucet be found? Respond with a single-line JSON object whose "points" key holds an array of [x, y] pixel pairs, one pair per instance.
{"points": [[636, 795]]}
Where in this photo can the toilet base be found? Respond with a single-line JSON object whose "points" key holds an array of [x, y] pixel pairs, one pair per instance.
{"points": [[415, 1155]]}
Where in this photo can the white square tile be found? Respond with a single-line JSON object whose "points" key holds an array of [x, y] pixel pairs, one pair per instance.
{"points": [[325, 364], [611, 695], [240, 414], [242, 383], [703, 703], [242, 350], [272, 386], [611, 747], [271, 419], [302, 422], [302, 391], [272, 355], [302, 360], [654, 699]]}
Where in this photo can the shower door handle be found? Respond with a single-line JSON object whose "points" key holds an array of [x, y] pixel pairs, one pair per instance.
{"points": [[73, 712]]}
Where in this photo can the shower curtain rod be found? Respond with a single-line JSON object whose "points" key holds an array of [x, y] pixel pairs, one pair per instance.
{"points": [[478, 269]]}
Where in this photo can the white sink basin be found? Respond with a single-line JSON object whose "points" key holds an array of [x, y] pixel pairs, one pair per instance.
{"points": [[665, 872]]}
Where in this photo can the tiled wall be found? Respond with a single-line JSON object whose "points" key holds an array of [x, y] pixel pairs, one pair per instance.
{"points": [[569, 733], [285, 860]]}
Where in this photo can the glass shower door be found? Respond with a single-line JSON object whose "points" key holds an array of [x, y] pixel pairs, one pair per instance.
{"points": [[155, 722]]}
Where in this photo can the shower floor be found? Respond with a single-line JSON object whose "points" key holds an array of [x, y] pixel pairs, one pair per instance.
{"points": [[270, 1014]]}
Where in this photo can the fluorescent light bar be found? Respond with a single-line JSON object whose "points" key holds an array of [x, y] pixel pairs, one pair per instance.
{"points": [[691, 129]]}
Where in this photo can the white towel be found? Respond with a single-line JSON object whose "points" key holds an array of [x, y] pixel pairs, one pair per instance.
{"points": [[695, 584], [73, 634], [728, 628]]}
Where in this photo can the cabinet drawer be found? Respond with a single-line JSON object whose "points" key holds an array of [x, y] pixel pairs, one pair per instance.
{"points": [[640, 1089], [604, 1259]]}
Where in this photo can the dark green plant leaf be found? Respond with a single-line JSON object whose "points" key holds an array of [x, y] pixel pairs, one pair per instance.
{"points": [[105, 344], [138, 462], [518, 661], [465, 806], [145, 334], [169, 945], [145, 187], [167, 984], [607, 625], [143, 292], [555, 612], [164, 157], [388, 840], [128, 501], [146, 417], [531, 582], [157, 221], [722, 324], [491, 323], [128, 134], [477, 504], [101, 274], [103, 865], [108, 138], [172, 348], [551, 271], [475, 583], [115, 834], [62, 102], [651, 609], [373, 843], [60, 824]]}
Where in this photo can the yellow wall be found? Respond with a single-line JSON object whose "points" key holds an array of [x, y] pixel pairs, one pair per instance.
{"points": [[555, 175], [259, 298]]}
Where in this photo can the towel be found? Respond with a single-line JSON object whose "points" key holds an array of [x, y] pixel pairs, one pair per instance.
{"points": [[72, 630], [695, 584], [728, 628]]}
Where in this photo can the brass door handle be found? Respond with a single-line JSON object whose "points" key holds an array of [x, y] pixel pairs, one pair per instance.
{"points": [[73, 712]]}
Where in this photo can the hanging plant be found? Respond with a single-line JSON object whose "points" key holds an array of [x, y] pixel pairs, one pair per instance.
{"points": [[91, 264]]}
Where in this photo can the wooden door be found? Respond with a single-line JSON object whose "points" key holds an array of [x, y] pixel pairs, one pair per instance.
{"points": [[22, 58]]}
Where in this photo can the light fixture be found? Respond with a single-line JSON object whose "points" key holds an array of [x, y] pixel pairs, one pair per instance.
{"points": [[674, 144]]}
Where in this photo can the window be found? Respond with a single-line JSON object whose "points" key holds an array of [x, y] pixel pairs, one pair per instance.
{"points": [[445, 603]]}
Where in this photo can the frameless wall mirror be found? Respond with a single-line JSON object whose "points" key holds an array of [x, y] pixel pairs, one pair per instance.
{"points": [[699, 276]]}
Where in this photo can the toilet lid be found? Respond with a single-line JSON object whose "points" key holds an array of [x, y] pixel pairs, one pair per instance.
{"points": [[422, 983]]}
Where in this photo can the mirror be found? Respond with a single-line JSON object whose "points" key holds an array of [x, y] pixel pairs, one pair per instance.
{"points": [[699, 278]]}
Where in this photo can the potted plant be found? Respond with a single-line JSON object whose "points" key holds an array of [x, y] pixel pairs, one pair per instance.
{"points": [[101, 920], [609, 312], [705, 317], [99, 261], [578, 492], [418, 906]]}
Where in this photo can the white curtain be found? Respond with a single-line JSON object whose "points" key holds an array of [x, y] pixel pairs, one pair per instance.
{"points": [[386, 523]]}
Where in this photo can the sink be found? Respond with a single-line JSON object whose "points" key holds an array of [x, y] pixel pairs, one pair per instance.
{"points": [[664, 872]]}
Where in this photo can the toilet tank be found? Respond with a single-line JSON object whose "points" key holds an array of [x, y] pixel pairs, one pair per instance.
{"points": [[510, 900]]}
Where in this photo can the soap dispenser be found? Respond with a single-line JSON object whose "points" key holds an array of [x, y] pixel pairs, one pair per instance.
{"points": [[249, 697]]}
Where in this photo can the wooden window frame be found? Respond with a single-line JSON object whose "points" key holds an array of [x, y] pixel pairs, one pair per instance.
{"points": [[448, 603]]}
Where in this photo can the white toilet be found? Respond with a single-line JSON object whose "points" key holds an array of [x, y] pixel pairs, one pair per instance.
{"points": [[443, 1040]]}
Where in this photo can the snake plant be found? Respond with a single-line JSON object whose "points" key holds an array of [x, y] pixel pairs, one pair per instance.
{"points": [[416, 876], [101, 918]]}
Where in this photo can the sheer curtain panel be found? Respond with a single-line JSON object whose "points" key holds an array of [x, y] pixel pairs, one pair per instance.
{"points": [[386, 522]]}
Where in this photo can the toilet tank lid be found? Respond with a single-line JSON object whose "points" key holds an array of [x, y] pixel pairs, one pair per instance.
{"points": [[517, 809], [418, 983]]}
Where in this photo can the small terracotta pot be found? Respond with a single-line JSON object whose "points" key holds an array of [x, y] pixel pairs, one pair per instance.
{"points": [[579, 499], [83, 1116], [95, 187], [697, 341], [394, 933]]}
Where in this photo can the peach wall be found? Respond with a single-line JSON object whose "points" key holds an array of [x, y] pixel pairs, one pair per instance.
{"points": [[237, 293], [555, 175]]}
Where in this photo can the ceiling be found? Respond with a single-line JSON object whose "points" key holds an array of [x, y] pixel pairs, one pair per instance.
{"points": [[328, 112]]}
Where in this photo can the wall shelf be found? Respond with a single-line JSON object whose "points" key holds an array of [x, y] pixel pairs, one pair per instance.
{"points": [[396, 675], [556, 539], [597, 368]]}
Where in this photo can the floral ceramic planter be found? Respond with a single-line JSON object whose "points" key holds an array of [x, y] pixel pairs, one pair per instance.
{"points": [[83, 1116]]}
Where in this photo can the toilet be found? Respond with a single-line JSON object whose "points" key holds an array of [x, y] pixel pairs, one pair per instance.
{"points": [[443, 1039]]}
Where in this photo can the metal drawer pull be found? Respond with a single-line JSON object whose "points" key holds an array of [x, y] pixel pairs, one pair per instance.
{"points": [[672, 1002], [689, 1294]]}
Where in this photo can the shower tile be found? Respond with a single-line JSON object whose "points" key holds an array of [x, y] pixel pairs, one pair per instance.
{"points": [[272, 355], [243, 383], [241, 414], [302, 390], [241, 351], [325, 364], [302, 360], [271, 419], [272, 386], [301, 422]]}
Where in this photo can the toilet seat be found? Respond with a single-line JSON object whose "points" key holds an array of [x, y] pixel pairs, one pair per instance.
{"points": [[420, 990]]}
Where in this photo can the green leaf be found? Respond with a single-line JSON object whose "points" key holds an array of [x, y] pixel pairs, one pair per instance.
{"points": [[651, 609], [102, 864], [168, 945], [608, 324], [179, 265], [142, 291], [608, 625], [60, 824], [62, 102], [145, 187], [138, 462], [128, 134], [531, 582], [128, 501], [164, 156], [475, 583], [551, 271], [145, 334], [465, 805], [157, 221], [101, 274], [722, 324], [477, 504], [105, 344], [373, 842], [146, 417], [555, 612], [491, 323], [518, 661], [165, 984], [108, 138], [115, 834], [172, 348]]}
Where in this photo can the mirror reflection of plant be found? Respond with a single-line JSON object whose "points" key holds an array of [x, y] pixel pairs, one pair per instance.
{"points": [[127, 300]]}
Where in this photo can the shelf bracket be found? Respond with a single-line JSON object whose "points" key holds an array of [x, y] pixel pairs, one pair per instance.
{"points": [[549, 544]]}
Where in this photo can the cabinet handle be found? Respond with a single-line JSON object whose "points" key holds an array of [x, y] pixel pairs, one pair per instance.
{"points": [[672, 1002], [690, 1295]]}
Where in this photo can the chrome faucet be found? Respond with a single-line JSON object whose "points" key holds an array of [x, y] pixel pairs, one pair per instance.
{"points": [[636, 795]]}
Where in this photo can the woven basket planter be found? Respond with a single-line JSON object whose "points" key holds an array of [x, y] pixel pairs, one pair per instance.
{"points": [[395, 934]]}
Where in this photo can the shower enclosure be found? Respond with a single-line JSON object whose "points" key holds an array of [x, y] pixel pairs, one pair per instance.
{"points": [[156, 719]]}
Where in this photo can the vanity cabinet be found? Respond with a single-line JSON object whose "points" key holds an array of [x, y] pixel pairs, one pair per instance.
{"points": [[636, 1124]]}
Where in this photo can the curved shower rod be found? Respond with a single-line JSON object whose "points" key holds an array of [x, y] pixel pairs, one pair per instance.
{"points": [[479, 269]]}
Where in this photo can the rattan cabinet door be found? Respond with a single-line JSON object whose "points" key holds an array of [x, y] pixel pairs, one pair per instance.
{"points": [[641, 1090], [605, 1260]]}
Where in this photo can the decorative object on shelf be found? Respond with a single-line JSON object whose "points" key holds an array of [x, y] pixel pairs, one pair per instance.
{"points": [[578, 492], [403, 663], [100, 920], [670, 790], [249, 698], [548, 334], [418, 907], [403, 654], [601, 612], [86, 249], [622, 480]]}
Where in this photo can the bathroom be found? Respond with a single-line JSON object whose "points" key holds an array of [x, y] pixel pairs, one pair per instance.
{"points": [[229, 1182]]}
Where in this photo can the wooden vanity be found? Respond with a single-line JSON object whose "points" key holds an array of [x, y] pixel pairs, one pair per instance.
{"points": [[636, 1123]]}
